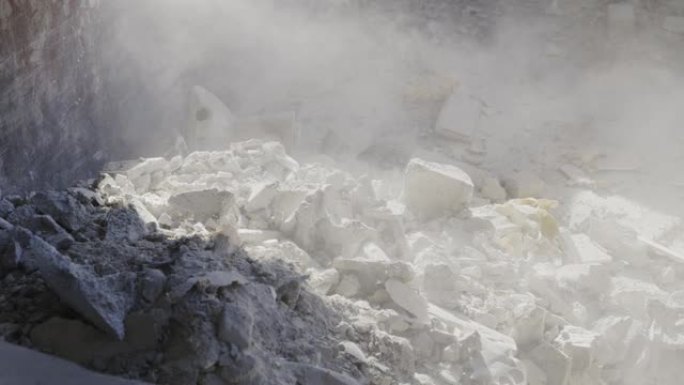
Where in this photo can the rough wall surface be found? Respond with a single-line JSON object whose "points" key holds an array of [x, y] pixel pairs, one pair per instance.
{"points": [[48, 93]]}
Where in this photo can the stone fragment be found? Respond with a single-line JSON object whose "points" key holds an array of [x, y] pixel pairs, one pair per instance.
{"points": [[394, 350], [354, 351], [579, 248], [578, 344], [349, 286], [408, 299], [322, 282], [314, 375], [148, 171], [440, 285], [211, 280], [23, 366], [104, 301], [435, 189], [49, 230], [554, 363], [152, 285], [491, 189], [144, 214], [261, 196], [252, 236], [235, 325], [246, 368], [10, 251], [525, 184], [202, 204], [64, 208], [124, 225]]}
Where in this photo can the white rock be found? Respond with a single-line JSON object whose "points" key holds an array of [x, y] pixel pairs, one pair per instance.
{"points": [[141, 174], [322, 282], [202, 204], [261, 196], [491, 189], [554, 363], [435, 189], [252, 236], [408, 299], [525, 184], [460, 116], [349, 286], [632, 295], [674, 24], [579, 248], [578, 344]]}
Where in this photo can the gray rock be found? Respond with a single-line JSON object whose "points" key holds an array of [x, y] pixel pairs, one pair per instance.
{"points": [[124, 225], [4, 225], [19, 365], [6, 208], [314, 375], [235, 325], [10, 251], [153, 282], [87, 196], [243, 369], [104, 301], [46, 227], [64, 208]]}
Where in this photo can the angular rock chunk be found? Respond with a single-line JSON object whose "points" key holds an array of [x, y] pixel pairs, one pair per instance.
{"points": [[202, 204], [314, 375], [124, 225], [435, 189], [64, 208], [23, 366], [408, 299], [235, 325], [104, 301]]}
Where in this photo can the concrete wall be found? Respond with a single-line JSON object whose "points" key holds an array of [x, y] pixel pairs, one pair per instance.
{"points": [[50, 131]]}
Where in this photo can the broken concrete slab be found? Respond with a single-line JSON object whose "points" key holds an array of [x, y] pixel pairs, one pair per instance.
{"points": [[436, 189]]}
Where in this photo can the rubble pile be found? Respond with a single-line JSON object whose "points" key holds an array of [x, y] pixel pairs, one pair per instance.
{"points": [[244, 266]]}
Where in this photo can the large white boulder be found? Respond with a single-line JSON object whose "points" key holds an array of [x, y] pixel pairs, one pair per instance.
{"points": [[435, 189]]}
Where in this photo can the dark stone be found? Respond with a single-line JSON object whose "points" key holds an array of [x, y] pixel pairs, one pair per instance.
{"points": [[64, 208]]}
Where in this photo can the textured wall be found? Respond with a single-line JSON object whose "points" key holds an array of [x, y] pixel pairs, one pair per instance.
{"points": [[48, 92]]}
